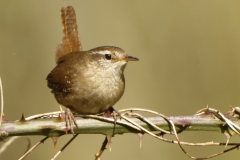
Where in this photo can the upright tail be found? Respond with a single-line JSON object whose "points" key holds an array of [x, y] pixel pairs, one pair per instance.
{"points": [[70, 41]]}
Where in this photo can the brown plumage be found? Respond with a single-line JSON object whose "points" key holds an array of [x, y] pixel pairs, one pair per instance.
{"points": [[86, 82], [70, 41]]}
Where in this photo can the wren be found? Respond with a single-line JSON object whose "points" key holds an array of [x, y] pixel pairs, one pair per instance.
{"points": [[86, 82], [89, 82]]}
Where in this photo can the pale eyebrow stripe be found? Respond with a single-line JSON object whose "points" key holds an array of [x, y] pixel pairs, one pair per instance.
{"points": [[101, 52]]}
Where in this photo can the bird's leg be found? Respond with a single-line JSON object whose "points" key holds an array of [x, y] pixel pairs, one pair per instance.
{"points": [[70, 120], [111, 112]]}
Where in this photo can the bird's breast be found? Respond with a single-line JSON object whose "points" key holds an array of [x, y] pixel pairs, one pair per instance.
{"points": [[99, 90]]}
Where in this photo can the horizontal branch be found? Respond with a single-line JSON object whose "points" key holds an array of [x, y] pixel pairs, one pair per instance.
{"points": [[55, 127]]}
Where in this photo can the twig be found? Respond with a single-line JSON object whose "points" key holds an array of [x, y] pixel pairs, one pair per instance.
{"points": [[11, 140], [62, 149], [1, 92], [103, 147], [44, 115], [32, 148]]}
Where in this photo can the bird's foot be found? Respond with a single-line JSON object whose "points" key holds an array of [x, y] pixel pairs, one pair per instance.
{"points": [[111, 112], [70, 120]]}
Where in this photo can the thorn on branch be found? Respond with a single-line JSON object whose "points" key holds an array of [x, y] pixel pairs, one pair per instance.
{"points": [[4, 118], [22, 119], [55, 141], [140, 135]]}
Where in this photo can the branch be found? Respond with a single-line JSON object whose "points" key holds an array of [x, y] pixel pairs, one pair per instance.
{"points": [[55, 127]]}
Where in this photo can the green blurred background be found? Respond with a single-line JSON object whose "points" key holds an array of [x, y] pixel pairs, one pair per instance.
{"points": [[189, 57]]}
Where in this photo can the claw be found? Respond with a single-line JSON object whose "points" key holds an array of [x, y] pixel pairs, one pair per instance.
{"points": [[70, 120]]}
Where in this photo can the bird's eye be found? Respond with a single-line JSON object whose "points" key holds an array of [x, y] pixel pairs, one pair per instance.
{"points": [[108, 56]]}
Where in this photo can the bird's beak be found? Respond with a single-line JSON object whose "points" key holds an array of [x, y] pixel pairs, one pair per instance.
{"points": [[130, 58]]}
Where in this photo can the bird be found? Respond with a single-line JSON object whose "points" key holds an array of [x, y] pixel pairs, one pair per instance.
{"points": [[86, 82], [89, 82]]}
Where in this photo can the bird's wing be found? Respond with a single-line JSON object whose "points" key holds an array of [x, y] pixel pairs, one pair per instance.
{"points": [[60, 78]]}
